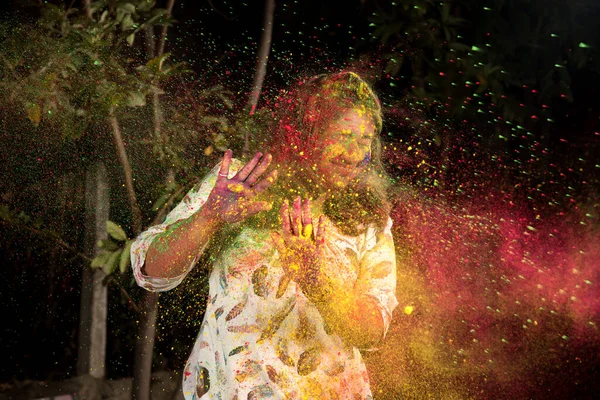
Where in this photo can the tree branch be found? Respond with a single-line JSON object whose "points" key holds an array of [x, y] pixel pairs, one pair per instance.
{"points": [[160, 215], [111, 279], [163, 33], [261, 63], [136, 214], [215, 9], [48, 235], [88, 9], [157, 110]]}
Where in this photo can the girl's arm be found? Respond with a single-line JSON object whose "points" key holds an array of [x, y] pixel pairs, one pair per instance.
{"points": [[163, 255]]}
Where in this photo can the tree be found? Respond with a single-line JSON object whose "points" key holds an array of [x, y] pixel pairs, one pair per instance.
{"points": [[80, 73]]}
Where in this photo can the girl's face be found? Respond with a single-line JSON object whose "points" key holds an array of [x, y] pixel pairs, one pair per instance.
{"points": [[346, 145]]}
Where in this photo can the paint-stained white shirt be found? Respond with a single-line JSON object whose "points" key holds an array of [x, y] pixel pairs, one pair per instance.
{"points": [[254, 346]]}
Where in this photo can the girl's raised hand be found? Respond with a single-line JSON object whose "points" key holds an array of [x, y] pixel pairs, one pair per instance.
{"points": [[232, 200], [300, 246]]}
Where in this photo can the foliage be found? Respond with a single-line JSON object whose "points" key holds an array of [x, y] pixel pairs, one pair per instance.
{"points": [[16, 218], [114, 251], [69, 74], [199, 125], [69, 71]]}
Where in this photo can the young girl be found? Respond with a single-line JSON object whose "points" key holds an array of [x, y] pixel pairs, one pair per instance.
{"points": [[290, 303]]}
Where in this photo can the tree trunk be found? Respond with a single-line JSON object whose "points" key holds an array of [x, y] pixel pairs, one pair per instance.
{"points": [[261, 63], [144, 346], [92, 324], [144, 343], [91, 357]]}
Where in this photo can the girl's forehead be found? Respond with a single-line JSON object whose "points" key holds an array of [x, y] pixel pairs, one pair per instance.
{"points": [[355, 117], [350, 122]]}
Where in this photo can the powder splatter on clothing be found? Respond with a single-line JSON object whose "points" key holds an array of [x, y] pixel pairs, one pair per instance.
{"points": [[254, 345]]}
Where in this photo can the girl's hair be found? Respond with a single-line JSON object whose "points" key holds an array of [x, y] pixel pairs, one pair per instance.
{"points": [[299, 116]]}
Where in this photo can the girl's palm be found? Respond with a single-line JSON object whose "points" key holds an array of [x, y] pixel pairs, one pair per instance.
{"points": [[232, 200]]}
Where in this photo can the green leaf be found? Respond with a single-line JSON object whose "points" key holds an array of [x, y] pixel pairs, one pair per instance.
{"points": [[23, 218], [125, 260], [116, 231], [127, 7], [127, 23], [112, 262], [96, 6], [130, 39], [103, 16], [156, 90], [146, 6], [159, 19], [100, 260], [108, 245], [5, 213], [136, 99]]}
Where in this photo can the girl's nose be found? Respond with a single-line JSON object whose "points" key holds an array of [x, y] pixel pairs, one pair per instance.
{"points": [[354, 153]]}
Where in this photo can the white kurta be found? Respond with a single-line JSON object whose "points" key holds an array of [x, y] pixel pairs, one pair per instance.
{"points": [[254, 346]]}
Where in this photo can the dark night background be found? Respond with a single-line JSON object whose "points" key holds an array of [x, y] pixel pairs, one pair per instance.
{"points": [[466, 152]]}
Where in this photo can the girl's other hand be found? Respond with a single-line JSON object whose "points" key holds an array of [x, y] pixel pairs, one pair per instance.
{"points": [[300, 246]]}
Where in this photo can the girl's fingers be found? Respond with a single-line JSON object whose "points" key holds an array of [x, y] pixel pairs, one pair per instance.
{"points": [[307, 231], [278, 242], [284, 213], [260, 169], [245, 171], [306, 219], [297, 217], [224, 169], [266, 182], [237, 188]]}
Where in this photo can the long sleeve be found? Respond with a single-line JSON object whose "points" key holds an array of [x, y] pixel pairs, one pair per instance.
{"points": [[191, 203], [377, 276]]}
